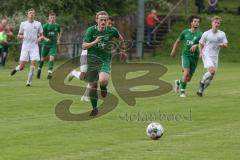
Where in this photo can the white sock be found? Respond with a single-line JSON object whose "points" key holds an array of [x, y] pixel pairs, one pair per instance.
{"points": [[17, 68], [207, 83], [88, 85], [30, 74], [86, 93], [4, 54], [182, 90], [206, 76], [83, 68], [83, 61], [76, 74]]}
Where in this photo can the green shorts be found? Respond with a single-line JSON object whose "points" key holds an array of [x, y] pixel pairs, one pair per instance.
{"points": [[190, 62], [49, 50], [97, 65]]}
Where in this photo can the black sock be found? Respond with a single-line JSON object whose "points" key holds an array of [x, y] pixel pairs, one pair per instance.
{"points": [[41, 64], [103, 88], [93, 97]]}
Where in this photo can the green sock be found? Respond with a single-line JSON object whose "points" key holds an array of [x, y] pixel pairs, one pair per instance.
{"points": [[183, 85], [50, 65], [40, 64]]}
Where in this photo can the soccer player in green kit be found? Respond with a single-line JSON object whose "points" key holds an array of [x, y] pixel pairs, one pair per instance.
{"points": [[97, 40], [52, 32], [190, 54]]}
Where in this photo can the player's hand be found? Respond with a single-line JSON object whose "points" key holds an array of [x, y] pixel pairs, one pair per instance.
{"points": [[58, 41], [200, 55], [173, 54], [193, 48], [20, 36], [98, 39], [39, 39], [10, 34], [221, 45]]}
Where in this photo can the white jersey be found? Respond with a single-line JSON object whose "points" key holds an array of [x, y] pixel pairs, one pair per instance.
{"points": [[211, 40], [30, 31]]}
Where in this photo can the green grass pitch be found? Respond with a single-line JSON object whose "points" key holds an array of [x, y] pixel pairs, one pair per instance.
{"points": [[29, 129]]}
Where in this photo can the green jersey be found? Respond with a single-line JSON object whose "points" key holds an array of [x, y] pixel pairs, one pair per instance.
{"points": [[51, 31], [189, 39], [103, 48]]}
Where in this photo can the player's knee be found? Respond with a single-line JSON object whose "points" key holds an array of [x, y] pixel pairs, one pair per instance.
{"points": [[189, 78], [32, 67], [21, 67], [212, 75], [186, 75], [212, 72], [103, 79], [33, 63], [82, 75]]}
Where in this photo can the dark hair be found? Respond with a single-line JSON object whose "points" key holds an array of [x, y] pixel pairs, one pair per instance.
{"points": [[111, 18], [31, 9], [190, 19]]}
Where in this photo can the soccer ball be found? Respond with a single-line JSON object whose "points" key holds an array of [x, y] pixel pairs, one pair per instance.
{"points": [[154, 130]]}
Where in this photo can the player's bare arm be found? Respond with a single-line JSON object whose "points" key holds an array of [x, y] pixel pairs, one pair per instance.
{"points": [[175, 46], [20, 36], [194, 47], [222, 45], [86, 45], [59, 37], [123, 54], [42, 37], [156, 18], [200, 47]]}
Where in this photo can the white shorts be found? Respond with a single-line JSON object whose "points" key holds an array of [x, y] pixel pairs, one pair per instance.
{"points": [[83, 61], [210, 61], [31, 54]]}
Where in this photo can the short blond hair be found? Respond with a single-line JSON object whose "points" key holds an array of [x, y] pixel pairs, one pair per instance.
{"points": [[216, 18], [102, 13], [153, 11]]}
